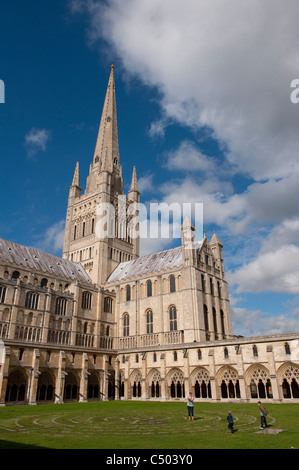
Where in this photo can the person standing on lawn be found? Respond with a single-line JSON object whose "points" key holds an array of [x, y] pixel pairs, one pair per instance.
{"points": [[230, 421], [190, 406], [264, 413]]}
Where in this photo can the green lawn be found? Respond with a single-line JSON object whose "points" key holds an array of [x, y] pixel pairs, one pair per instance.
{"points": [[146, 425]]}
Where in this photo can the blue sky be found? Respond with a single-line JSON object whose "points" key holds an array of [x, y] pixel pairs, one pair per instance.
{"points": [[204, 112]]}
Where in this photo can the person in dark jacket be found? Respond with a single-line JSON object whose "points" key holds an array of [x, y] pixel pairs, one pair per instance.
{"points": [[230, 421]]}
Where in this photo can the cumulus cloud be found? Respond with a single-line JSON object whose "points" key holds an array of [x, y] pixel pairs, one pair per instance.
{"points": [[224, 65], [276, 264], [36, 140]]}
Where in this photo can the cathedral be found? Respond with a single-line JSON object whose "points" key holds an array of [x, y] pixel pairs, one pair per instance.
{"points": [[103, 323]]}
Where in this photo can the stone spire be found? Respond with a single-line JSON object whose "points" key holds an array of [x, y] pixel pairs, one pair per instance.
{"points": [[106, 155], [134, 185], [76, 180]]}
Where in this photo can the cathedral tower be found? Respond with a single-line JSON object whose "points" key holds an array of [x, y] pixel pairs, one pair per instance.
{"points": [[97, 231]]}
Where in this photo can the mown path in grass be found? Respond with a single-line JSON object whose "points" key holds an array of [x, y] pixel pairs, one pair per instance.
{"points": [[147, 425]]}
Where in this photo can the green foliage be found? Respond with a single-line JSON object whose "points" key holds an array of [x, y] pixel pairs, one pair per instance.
{"points": [[146, 425]]}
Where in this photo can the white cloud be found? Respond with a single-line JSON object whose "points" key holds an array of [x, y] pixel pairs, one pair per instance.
{"points": [[225, 65], [248, 322], [36, 140], [52, 240]]}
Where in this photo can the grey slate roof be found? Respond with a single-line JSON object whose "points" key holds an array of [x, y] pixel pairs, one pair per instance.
{"points": [[147, 264], [39, 261]]}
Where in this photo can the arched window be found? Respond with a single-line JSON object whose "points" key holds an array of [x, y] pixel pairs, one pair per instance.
{"points": [[149, 288], [15, 275], [215, 323], [44, 282], [31, 300], [225, 353], [107, 305], [211, 286], [2, 294], [206, 322], [60, 307], [199, 354], [222, 323], [255, 351], [175, 356], [128, 293], [86, 300], [126, 325], [172, 284], [149, 322], [173, 318]]}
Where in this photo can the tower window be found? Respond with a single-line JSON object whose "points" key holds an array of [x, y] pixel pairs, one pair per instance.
{"points": [[126, 325], [86, 300], [107, 305], [149, 288], [172, 284], [128, 293], [149, 322], [173, 318]]}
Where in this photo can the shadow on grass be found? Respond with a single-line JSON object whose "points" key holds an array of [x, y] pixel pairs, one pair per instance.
{"points": [[17, 445]]}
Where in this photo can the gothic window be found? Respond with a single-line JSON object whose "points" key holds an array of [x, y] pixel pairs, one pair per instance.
{"points": [[211, 286], [225, 353], [2, 294], [215, 323], [173, 318], [86, 300], [137, 358], [75, 232], [126, 325], [83, 229], [175, 356], [149, 288], [155, 357], [31, 300], [260, 384], [60, 308], [287, 348], [199, 354], [149, 322], [172, 284], [230, 387], [222, 322], [128, 293], [255, 351], [206, 322], [107, 305]]}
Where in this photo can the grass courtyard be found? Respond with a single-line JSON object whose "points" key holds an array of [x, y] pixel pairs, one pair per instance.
{"points": [[146, 425]]}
